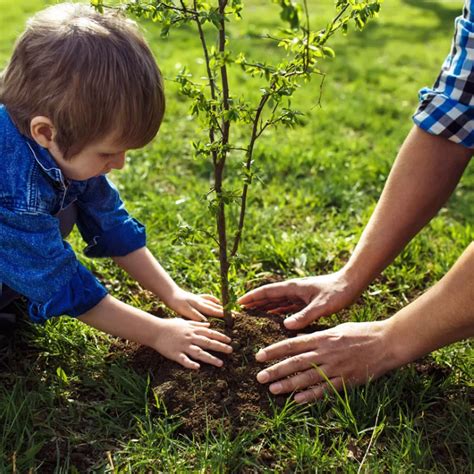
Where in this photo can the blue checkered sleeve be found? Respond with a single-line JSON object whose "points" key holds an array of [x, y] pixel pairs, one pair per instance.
{"points": [[447, 109]]}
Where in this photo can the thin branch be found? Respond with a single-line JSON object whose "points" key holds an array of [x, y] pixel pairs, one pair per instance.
{"points": [[321, 89], [212, 84], [224, 77], [308, 30], [154, 6], [248, 165], [332, 30], [269, 122]]}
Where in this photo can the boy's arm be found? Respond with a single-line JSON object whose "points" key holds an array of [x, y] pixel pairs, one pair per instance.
{"points": [[174, 338], [110, 231], [423, 177], [142, 266], [353, 353]]}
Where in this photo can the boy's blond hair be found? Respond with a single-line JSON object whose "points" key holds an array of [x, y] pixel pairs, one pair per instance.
{"points": [[91, 74]]}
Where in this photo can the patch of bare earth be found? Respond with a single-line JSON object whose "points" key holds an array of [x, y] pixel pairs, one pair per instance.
{"points": [[229, 396]]}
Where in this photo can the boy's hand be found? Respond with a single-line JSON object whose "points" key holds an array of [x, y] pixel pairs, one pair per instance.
{"points": [[182, 341], [195, 307]]}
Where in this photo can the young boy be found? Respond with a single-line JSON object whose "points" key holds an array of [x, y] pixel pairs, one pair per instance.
{"points": [[82, 88]]}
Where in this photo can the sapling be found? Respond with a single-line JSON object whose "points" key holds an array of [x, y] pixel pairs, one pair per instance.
{"points": [[222, 110]]}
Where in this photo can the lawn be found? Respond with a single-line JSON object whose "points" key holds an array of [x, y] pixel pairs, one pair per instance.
{"points": [[72, 399]]}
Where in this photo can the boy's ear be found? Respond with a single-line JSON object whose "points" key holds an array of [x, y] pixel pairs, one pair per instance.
{"points": [[42, 131]]}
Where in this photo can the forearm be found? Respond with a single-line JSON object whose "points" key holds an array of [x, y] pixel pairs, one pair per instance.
{"points": [[121, 320], [444, 314], [424, 175], [142, 266]]}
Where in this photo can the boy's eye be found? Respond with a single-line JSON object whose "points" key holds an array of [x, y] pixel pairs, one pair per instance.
{"points": [[106, 155]]}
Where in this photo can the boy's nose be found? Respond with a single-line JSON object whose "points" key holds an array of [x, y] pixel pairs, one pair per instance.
{"points": [[119, 162]]}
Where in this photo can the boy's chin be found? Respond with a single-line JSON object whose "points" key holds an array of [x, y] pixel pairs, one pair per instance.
{"points": [[77, 176]]}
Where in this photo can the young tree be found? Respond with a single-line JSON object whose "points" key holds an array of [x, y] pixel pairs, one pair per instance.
{"points": [[220, 109]]}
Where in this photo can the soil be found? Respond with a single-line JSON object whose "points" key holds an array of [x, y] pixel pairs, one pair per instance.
{"points": [[229, 396]]}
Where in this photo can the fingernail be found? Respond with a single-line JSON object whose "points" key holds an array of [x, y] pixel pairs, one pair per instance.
{"points": [[260, 355], [276, 388], [299, 398], [290, 323], [263, 376]]}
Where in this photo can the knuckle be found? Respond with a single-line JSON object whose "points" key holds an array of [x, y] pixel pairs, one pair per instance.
{"points": [[274, 373], [199, 351], [290, 344], [299, 360], [292, 284], [309, 377]]}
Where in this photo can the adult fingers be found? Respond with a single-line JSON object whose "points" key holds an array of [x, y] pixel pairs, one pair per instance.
{"points": [[198, 353], [210, 333], [186, 362], [289, 366], [314, 393], [265, 305], [212, 344], [290, 308], [271, 305], [299, 381], [307, 315], [284, 289], [287, 347]]}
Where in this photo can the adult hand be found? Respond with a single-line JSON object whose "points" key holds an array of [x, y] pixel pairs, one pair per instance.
{"points": [[311, 298], [183, 341], [350, 354], [195, 307]]}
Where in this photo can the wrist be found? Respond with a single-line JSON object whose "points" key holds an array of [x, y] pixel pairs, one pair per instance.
{"points": [[401, 346], [168, 292], [354, 280]]}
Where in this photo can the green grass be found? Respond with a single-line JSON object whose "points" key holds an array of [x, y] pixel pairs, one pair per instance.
{"points": [[63, 387]]}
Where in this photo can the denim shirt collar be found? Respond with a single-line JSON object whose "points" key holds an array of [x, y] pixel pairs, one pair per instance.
{"points": [[45, 160], [40, 154]]}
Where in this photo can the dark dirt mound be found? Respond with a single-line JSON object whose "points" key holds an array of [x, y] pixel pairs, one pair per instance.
{"points": [[229, 395]]}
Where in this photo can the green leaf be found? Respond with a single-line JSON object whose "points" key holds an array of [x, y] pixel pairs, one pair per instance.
{"points": [[62, 375]]}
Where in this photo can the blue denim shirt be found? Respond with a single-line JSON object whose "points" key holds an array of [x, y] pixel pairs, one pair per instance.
{"points": [[35, 261]]}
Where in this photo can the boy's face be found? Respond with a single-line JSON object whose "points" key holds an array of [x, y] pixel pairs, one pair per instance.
{"points": [[93, 160]]}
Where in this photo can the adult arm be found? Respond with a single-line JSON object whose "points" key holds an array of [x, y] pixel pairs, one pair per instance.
{"points": [[424, 175], [353, 353]]}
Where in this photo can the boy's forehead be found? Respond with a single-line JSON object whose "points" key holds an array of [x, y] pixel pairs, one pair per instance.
{"points": [[111, 141]]}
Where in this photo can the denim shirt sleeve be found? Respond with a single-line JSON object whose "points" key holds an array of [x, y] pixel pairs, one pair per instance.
{"points": [[37, 263], [105, 224]]}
